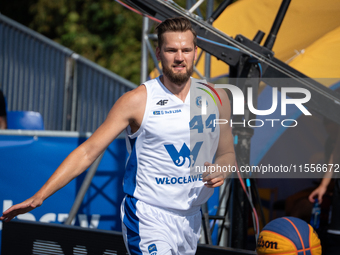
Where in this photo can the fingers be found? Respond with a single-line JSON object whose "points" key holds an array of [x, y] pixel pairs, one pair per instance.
{"points": [[211, 177], [311, 197], [8, 218], [214, 183], [204, 175], [208, 172], [319, 193], [17, 209], [10, 213], [208, 177]]}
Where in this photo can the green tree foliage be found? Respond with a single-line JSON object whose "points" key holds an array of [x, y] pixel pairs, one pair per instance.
{"points": [[100, 30]]}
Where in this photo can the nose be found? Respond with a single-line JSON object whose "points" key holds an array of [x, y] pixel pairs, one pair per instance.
{"points": [[179, 56]]}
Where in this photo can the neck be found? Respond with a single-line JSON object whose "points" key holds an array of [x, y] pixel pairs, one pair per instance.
{"points": [[179, 90]]}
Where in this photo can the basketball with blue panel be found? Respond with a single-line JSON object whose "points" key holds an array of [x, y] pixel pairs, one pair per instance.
{"points": [[288, 236]]}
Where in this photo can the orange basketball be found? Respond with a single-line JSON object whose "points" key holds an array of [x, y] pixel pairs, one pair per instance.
{"points": [[288, 236]]}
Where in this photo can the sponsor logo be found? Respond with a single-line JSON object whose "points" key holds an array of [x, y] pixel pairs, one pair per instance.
{"points": [[162, 102], [172, 111], [266, 244], [152, 249], [166, 112]]}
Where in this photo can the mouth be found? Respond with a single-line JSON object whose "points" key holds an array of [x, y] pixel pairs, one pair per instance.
{"points": [[179, 67]]}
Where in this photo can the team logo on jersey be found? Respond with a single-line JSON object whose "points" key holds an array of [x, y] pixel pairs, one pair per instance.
{"points": [[162, 102], [199, 102], [152, 249], [184, 155]]}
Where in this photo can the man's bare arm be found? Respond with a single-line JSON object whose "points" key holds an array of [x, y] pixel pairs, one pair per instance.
{"points": [[334, 158], [128, 110], [225, 154]]}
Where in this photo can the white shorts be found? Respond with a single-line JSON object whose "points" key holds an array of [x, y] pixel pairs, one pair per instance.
{"points": [[151, 230]]}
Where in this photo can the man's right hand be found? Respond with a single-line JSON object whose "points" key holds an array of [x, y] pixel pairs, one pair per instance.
{"points": [[24, 207]]}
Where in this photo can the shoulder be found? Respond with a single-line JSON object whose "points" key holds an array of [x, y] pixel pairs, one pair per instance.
{"points": [[136, 93], [134, 97], [139, 94], [221, 93], [131, 105], [224, 107]]}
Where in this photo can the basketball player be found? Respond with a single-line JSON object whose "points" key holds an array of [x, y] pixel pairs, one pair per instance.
{"points": [[169, 142]]}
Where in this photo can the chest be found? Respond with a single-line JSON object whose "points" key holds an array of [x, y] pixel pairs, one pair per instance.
{"points": [[167, 119]]}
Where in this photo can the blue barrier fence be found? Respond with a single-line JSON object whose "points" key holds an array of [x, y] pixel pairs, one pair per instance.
{"points": [[37, 74], [30, 157]]}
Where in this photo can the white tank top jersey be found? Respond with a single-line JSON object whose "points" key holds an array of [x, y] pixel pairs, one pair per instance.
{"points": [[167, 153]]}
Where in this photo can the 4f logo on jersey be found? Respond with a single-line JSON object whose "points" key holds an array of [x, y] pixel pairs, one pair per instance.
{"points": [[162, 102]]}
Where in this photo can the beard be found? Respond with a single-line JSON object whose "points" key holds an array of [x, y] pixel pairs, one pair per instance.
{"points": [[178, 78]]}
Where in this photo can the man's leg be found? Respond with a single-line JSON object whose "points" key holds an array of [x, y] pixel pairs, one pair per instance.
{"points": [[143, 231]]}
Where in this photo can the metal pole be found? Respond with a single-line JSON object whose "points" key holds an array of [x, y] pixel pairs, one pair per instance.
{"points": [[219, 11], [195, 6], [153, 56], [277, 24], [83, 189], [206, 223], [144, 60], [240, 205], [74, 93], [67, 81], [207, 66]]}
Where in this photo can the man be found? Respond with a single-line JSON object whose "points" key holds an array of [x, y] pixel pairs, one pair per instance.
{"points": [[161, 211], [333, 233]]}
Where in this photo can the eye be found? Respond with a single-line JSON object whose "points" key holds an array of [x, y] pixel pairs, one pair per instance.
{"points": [[170, 50]]}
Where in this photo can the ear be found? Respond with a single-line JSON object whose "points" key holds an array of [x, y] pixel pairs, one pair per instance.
{"points": [[158, 53], [195, 53]]}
